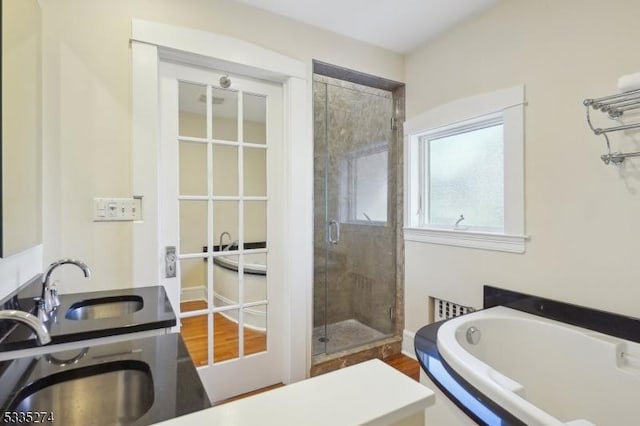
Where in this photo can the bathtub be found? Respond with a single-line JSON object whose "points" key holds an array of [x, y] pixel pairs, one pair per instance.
{"points": [[225, 283], [542, 371], [254, 263]]}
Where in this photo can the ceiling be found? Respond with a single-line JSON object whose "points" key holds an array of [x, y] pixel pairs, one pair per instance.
{"points": [[398, 25]]}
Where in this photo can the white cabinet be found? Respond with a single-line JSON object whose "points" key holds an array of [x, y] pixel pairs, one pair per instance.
{"points": [[370, 393]]}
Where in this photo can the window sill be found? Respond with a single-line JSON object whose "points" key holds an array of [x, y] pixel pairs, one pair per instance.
{"points": [[470, 239], [365, 223]]}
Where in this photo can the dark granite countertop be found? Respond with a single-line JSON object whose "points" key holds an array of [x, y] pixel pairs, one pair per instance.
{"points": [[156, 313], [175, 390]]}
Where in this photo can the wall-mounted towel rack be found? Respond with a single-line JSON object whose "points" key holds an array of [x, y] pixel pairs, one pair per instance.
{"points": [[616, 106]]}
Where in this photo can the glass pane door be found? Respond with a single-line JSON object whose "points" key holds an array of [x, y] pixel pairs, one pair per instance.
{"points": [[355, 238], [222, 203]]}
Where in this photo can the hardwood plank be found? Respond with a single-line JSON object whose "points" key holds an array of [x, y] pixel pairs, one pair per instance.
{"points": [[194, 305], [405, 365], [244, 395], [225, 336]]}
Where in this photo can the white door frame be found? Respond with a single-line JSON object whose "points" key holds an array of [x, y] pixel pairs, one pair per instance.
{"points": [[151, 42]]}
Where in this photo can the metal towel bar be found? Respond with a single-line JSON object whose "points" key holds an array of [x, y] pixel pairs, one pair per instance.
{"points": [[615, 106]]}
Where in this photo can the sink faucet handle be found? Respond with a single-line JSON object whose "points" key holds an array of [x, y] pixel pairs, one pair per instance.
{"points": [[55, 300], [47, 300], [43, 314]]}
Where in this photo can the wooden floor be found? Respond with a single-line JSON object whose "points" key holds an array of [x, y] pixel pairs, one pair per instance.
{"points": [[225, 347], [225, 336], [244, 395], [405, 365]]}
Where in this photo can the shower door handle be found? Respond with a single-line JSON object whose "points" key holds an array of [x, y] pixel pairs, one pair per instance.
{"points": [[333, 224]]}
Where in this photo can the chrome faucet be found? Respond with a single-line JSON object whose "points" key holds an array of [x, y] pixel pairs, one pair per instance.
{"points": [[42, 334], [221, 238], [231, 245], [51, 300]]}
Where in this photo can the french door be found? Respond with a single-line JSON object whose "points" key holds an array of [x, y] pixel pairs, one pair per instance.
{"points": [[221, 208]]}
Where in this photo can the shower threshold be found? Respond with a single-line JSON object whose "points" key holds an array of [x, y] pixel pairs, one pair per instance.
{"points": [[343, 335]]}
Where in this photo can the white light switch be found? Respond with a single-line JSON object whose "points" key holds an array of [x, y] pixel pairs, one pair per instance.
{"points": [[117, 209]]}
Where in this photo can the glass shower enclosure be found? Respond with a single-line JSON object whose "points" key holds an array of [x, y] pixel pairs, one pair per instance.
{"points": [[355, 172]]}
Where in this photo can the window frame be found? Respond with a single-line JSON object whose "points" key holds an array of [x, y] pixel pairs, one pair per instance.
{"points": [[504, 107]]}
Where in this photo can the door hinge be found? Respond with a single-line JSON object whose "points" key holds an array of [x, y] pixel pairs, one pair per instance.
{"points": [[394, 123]]}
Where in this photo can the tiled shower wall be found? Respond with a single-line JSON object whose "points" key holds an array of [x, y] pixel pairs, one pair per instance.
{"points": [[364, 271]]}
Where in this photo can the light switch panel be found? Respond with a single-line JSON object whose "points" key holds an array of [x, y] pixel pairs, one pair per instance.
{"points": [[117, 209]]}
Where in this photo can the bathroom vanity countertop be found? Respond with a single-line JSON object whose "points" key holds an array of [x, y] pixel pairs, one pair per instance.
{"points": [[156, 313], [370, 393], [175, 388]]}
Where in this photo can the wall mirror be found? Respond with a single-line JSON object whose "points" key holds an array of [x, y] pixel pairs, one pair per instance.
{"points": [[21, 201]]}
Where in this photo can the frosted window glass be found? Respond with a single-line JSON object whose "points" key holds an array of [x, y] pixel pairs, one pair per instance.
{"points": [[371, 187], [466, 176]]}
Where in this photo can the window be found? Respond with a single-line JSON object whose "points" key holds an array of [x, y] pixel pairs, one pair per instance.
{"points": [[363, 186], [464, 178], [465, 173]]}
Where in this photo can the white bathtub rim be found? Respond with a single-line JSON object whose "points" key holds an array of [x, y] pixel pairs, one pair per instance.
{"points": [[486, 379], [226, 261]]}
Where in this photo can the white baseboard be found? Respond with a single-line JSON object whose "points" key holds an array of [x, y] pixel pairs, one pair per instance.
{"points": [[189, 294], [407, 344]]}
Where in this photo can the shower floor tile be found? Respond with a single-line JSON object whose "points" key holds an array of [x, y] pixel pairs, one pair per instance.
{"points": [[343, 335]]}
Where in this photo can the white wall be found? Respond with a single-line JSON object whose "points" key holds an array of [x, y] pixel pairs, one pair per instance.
{"points": [[18, 269], [21, 66], [582, 216], [87, 109], [21, 126]]}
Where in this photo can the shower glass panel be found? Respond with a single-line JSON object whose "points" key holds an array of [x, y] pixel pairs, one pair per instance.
{"points": [[354, 222]]}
